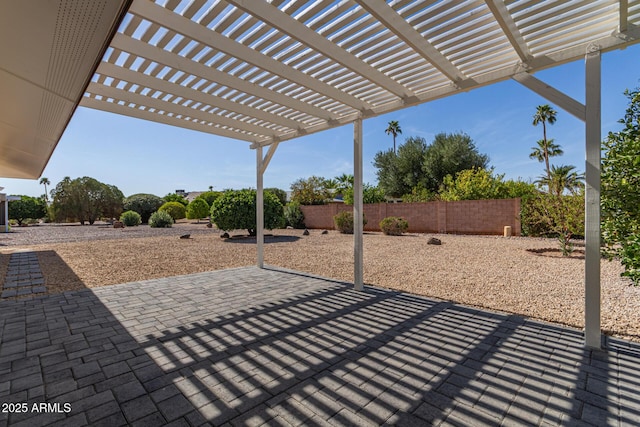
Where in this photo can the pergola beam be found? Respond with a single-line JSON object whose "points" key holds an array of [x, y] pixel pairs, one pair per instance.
{"points": [[624, 15], [159, 104], [161, 56], [215, 40], [509, 28], [126, 110], [156, 84], [298, 31], [548, 92], [408, 34]]}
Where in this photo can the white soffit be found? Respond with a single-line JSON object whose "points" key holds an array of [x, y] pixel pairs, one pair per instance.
{"points": [[48, 51]]}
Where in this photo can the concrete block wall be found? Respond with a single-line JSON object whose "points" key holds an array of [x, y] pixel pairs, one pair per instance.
{"points": [[461, 217]]}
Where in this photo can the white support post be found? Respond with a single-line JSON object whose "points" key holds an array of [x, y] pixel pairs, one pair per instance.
{"points": [[358, 280], [259, 207], [592, 201]]}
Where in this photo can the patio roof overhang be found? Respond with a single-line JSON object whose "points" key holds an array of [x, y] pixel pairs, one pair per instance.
{"points": [[48, 53], [269, 71]]}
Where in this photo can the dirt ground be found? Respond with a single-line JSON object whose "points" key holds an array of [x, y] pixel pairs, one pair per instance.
{"points": [[516, 275]]}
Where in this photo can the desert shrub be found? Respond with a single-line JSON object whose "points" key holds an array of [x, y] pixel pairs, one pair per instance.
{"points": [[160, 219], [344, 222], [236, 209], [198, 208], [175, 209], [293, 215], [131, 218], [144, 204], [560, 216], [393, 226]]}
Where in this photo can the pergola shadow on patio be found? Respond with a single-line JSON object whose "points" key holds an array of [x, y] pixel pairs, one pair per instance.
{"points": [[253, 346]]}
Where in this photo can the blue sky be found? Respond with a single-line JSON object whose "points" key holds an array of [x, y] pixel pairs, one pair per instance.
{"points": [[145, 157]]}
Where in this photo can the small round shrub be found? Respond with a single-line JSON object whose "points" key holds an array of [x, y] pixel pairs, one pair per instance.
{"points": [[344, 222], [131, 218], [293, 215], [393, 226], [160, 219], [236, 210], [175, 209], [198, 208]]}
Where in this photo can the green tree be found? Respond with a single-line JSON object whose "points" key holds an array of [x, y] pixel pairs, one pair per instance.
{"points": [[209, 196], [144, 204], [419, 194], [447, 155], [45, 181], [370, 194], [236, 210], [561, 178], [27, 208], [175, 209], [172, 197], [198, 208], [620, 197], [479, 184], [545, 114], [280, 194], [394, 130], [86, 200], [310, 191], [399, 173]]}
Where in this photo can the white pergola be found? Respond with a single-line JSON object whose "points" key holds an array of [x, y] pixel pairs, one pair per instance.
{"points": [[266, 71]]}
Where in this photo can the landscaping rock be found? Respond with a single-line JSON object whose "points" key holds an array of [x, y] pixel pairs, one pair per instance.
{"points": [[324, 232], [209, 225], [305, 232], [118, 224], [224, 236], [185, 236], [434, 241]]}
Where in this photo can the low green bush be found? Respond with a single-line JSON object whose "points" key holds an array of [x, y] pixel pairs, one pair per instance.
{"points": [[394, 226], [160, 219], [344, 222], [293, 215], [131, 218], [175, 209]]}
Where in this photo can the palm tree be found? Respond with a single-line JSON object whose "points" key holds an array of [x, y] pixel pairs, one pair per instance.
{"points": [[344, 182], [545, 150], [563, 177], [393, 129], [211, 188], [45, 181], [544, 114]]}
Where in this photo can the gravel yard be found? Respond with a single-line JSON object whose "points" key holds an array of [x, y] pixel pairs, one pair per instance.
{"points": [[504, 274]]}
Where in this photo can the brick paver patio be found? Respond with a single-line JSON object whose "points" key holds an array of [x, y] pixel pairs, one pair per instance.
{"points": [[251, 347]]}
